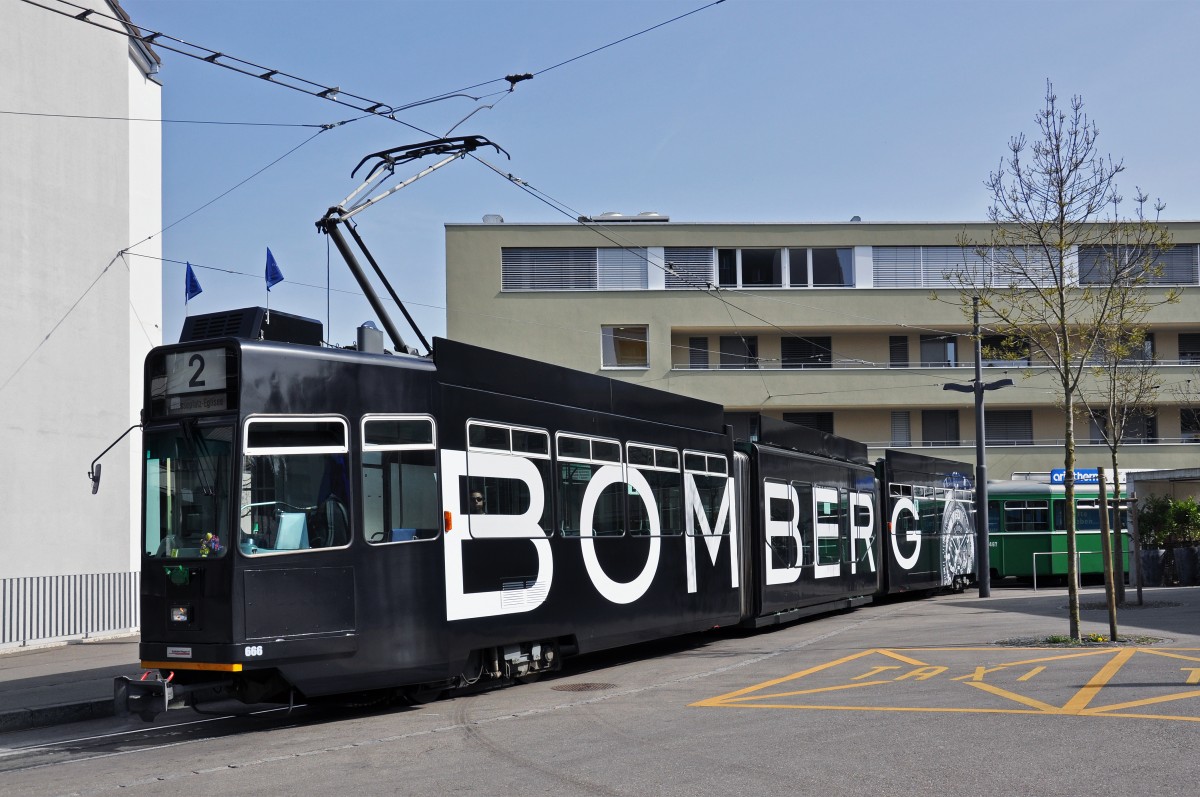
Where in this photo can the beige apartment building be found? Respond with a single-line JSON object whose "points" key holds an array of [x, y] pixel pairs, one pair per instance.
{"points": [[853, 328]]}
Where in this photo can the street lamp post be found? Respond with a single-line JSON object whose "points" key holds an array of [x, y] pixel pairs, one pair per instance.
{"points": [[978, 387]]}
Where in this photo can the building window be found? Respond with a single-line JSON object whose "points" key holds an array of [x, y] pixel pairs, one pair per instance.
{"points": [[739, 351], [1009, 427], [939, 428], [1189, 347], [806, 352], [624, 347], [1178, 264], [621, 269], [832, 267], [1000, 351], [727, 268], [898, 351], [698, 353], [802, 268], [821, 268], [688, 266], [547, 269], [762, 268], [1139, 428], [821, 421], [901, 429], [938, 351], [1189, 425]]}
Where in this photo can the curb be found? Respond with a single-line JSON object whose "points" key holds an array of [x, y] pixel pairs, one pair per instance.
{"points": [[25, 718]]}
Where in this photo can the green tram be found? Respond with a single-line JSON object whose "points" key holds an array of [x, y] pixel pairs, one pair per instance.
{"points": [[1027, 524]]}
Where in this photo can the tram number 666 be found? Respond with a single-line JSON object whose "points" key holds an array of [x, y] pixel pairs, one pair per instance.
{"points": [[254, 650]]}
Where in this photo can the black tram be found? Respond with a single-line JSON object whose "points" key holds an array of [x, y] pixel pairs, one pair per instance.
{"points": [[322, 521]]}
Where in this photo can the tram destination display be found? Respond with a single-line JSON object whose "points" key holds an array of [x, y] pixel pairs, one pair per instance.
{"points": [[190, 382]]}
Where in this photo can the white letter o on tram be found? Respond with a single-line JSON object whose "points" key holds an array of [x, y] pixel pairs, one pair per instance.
{"points": [[617, 591]]}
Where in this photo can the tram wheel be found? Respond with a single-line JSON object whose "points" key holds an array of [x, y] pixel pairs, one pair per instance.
{"points": [[419, 696]]}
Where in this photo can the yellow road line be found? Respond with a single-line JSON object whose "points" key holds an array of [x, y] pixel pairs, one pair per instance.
{"points": [[720, 699], [1044, 708], [1172, 655], [1149, 701], [839, 688], [1084, 696]]}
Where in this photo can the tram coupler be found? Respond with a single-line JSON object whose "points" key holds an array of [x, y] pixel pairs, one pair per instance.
{"points": [[152, 694], [147, 697]]}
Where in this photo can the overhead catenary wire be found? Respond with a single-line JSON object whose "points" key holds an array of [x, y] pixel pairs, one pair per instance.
{"points": [[278, 77], [326, 92], [371, 107]]}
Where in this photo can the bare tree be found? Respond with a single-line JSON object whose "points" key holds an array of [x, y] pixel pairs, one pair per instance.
{"points": [[1049, 203], [1121, 400]]}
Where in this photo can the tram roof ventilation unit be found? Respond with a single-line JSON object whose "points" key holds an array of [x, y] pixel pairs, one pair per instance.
{"points": [[253, 323]]}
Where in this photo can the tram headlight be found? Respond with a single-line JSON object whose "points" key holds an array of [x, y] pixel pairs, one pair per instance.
{"points": [[181, 614]]}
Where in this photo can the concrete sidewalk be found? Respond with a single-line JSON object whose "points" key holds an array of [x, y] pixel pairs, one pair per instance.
{"points": [[64, 682], [74, 681]]}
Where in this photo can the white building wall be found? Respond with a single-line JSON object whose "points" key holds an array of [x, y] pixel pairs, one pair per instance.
{"points": [[76, 318]]}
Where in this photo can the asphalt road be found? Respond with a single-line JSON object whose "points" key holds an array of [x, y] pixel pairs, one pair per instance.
{"points": [[912, 697]]}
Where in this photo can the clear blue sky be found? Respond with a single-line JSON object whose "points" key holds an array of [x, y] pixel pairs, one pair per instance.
{"points": [[752, 110]]}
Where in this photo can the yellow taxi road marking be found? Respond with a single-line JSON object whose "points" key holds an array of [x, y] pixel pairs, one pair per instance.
{"points": [[938, 671], [982, 671], [809, 671], [1029, 675], [1028, 712], [1150, 701], [1089, 691], [1045, 708], [840, 688], [1172, 655]]}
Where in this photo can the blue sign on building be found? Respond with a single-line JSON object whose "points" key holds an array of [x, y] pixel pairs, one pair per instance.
{"points": [[1082, 475]]}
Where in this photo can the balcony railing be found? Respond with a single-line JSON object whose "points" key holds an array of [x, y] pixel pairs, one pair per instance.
{"points": [[1190, 439], [762, 364]]}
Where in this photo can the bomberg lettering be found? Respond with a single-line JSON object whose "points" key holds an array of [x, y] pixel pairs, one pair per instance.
{"points": [[462, 605]]}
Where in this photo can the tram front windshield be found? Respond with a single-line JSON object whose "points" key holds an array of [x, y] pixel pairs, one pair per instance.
{"points": [[187, 491]]}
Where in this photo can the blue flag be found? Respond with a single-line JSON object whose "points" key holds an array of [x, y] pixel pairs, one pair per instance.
{"points": [[274, 275], [191, 285]]}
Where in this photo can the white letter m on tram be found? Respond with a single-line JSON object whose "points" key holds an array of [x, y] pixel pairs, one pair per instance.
{"points": [[697, 527]]}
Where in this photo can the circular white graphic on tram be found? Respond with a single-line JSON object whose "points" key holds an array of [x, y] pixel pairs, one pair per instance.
{"points": [[958, 541], [617, 591]]}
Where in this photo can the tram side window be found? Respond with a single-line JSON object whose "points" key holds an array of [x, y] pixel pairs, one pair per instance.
{"points": [[708, 475], [580, 459], [1026, 516], [660, 468], [932, 509], [784, 550], [399, 479], [295, 485], [804, 523], [993, 517], [483, 493], [832, 515], [1087, 515]]}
